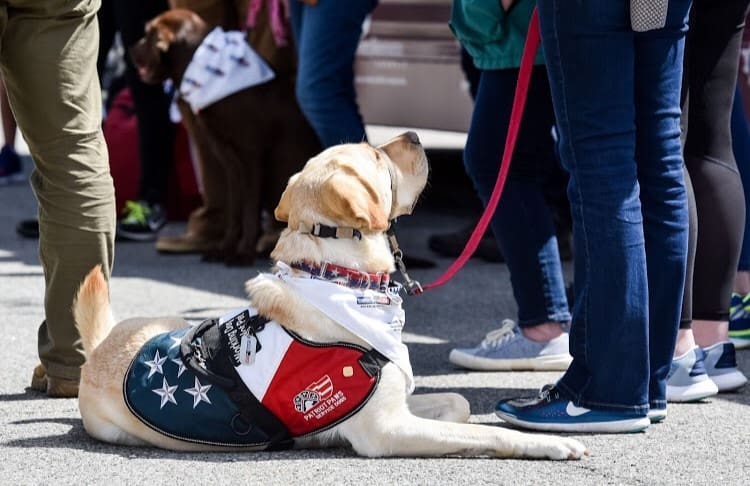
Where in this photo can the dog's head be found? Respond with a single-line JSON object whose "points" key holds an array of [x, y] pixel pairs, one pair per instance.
{"points": [[168, 45], [357, 186]]}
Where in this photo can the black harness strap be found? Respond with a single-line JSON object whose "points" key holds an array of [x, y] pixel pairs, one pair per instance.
{"points": [[204, 353]]}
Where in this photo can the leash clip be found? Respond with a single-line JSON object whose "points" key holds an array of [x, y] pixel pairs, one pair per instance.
{"points": [[412, 287]]}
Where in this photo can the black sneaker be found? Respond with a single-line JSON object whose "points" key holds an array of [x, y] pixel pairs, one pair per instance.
{"points": [[452, 244], [28, 228], [10, 166], [141, 221]]}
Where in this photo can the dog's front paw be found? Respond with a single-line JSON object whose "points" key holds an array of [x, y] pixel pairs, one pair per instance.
{"points": [[556, 448]]}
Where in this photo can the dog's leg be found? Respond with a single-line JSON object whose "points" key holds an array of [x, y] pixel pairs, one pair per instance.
{"points": [[446, 407], [407, 435], [211, 124], [386, 427]]}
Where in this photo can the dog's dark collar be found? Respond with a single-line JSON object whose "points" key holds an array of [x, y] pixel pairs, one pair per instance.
{"points": [[324, 231], [345, 276]]}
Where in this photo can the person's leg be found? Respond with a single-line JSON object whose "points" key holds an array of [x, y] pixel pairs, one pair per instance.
{"points": [[9, 121], [594, 105], [711, 72], [107, 31], [10, 162], [739, 310], [146, 216], [663, 195], [530, 249], [327, 36], [591, 59], [56, 68]]}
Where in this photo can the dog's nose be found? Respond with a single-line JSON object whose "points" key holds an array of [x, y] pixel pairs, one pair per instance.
{"points": [[413, 138]]}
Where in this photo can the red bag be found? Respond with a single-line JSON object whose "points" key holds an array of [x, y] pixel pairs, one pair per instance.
{"points": [[121, 133]]}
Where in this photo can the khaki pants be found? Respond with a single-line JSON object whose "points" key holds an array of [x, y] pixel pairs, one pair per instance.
{"points": [[48, 51]]}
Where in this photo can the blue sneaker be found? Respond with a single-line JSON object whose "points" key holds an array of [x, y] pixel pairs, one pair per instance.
{"points": [[688, 380], [739, 321], [721, 366], [553, 412], [507, 349]]}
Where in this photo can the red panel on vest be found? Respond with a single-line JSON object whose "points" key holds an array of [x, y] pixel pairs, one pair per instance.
{"points": [[314, 387]]}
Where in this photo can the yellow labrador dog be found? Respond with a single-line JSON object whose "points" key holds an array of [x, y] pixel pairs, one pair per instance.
{"points": [[315, 361]]}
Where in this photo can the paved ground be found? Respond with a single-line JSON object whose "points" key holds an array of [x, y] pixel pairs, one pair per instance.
{"points": [[43, 441]]}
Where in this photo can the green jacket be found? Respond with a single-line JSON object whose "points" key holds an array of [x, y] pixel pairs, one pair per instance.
{"points": [[493, 37]]}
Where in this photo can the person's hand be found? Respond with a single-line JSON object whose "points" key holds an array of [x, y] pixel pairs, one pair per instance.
{"points": [[506, 4]]}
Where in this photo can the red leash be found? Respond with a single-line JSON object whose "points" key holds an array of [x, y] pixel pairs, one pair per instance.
{"points": [[519, 101]]}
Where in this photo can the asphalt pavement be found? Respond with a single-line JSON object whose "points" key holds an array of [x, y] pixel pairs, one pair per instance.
{"points": [[43, 440]]}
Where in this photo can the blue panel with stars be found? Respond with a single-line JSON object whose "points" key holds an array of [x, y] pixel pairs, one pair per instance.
{"points": [[170, 399]]}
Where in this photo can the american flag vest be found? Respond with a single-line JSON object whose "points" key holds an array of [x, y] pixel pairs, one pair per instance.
{"points": [[247, 382]]}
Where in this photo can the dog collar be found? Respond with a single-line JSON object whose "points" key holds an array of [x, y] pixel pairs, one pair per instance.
{"points": [[344, 276], [325, 231]]}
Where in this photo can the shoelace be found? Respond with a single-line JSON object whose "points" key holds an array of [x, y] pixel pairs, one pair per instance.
{"points": [[136, 211], [500, 336], [549, 393]]}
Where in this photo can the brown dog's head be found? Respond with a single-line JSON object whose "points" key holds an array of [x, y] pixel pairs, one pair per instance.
{"points": [[168, 45], [357, 185]]}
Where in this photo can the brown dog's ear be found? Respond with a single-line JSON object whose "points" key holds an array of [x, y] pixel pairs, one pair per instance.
{"points": [[348, 198], [281, 213], [164, 37]]}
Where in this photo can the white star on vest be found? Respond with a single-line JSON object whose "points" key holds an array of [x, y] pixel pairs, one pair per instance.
{"points": [[176, 341], [155, 364], [166, 393], [199, 393], [180, 366]]}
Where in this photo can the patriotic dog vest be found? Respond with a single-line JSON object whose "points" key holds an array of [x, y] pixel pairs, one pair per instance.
{"points": [[244, 381]]}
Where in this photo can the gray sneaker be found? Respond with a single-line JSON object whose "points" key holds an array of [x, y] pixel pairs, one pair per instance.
{"points": [[687, 380], [507, 349]]}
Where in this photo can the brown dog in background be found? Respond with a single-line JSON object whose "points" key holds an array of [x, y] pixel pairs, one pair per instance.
{"points": [[259, 135]]}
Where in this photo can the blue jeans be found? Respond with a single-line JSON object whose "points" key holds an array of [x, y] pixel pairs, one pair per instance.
{"points": [[616, 95], [522, 224], [741, 148], [326, 36]]}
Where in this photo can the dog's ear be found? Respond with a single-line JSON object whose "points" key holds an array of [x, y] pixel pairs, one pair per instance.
{"points": [[164, 36], [281, 213], [350, 199]]}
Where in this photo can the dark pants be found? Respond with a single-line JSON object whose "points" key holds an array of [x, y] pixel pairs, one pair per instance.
{"points": [[717, 211], [155, 130], [523, 223], [616, 95], [741, 149]]}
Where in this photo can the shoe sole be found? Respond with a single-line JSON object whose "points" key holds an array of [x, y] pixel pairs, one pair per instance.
{"points": [[657, 416], [554, 362], [124, 235], [740, 343], [692, 393], [626, 426], [729, 381]]}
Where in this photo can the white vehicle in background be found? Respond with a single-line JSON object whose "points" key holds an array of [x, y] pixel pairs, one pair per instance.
{"points": [[407, 69]]}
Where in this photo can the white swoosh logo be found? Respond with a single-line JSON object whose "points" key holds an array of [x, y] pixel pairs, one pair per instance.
{"points": [[574, 411]]}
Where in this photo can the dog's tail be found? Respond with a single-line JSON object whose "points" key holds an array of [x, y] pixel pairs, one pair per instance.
{"points": [[92, 310]]}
